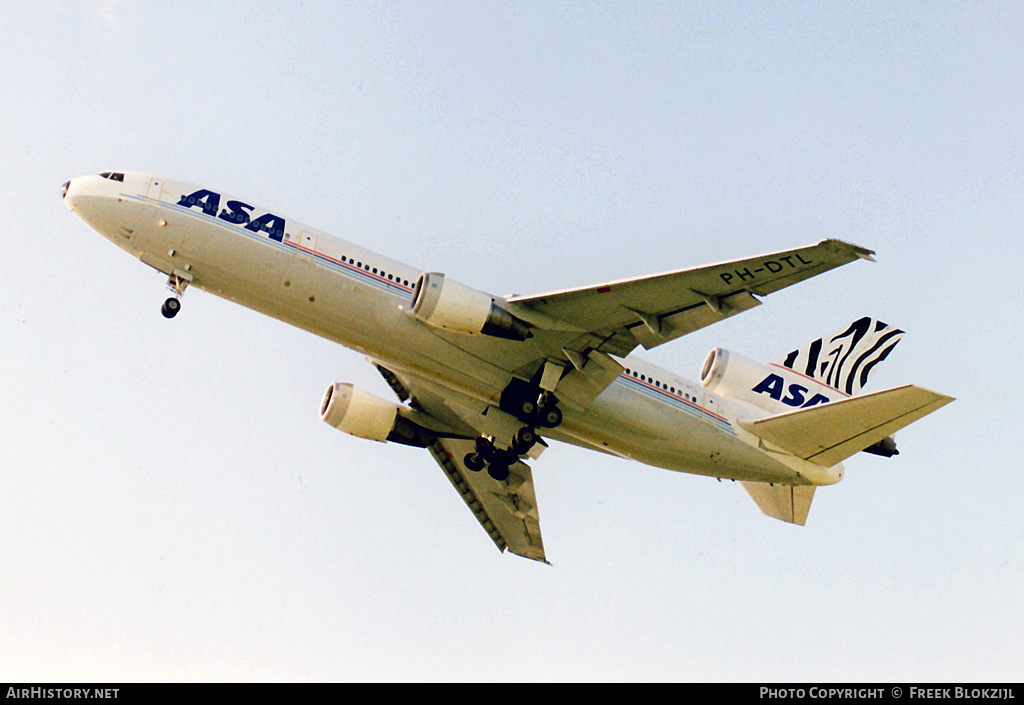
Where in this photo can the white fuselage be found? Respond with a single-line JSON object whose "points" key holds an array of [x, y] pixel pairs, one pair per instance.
{"points": [[361, 299]]}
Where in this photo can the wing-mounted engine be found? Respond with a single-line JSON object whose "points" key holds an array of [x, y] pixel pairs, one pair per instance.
{"points": [[773, 388], [447, 304], [362, 414]]}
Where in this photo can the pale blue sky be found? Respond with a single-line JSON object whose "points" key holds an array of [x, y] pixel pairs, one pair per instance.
{"points": [[172, 508]]}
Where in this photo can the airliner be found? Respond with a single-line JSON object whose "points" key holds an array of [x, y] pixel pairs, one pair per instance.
{"points": [[485, 383]]}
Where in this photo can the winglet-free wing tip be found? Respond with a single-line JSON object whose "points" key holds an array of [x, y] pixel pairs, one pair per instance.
{"points": [[531, 555], [862, 252]]}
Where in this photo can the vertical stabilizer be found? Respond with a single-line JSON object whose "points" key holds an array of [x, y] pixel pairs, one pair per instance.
{"points": [[845, 359]]}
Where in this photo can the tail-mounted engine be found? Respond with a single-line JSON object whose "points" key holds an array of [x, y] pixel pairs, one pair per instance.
{"points": [[361, 414], [773, 388], [453, 306], [777, 389]]}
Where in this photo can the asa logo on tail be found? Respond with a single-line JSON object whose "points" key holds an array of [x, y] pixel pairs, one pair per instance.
{"points": [[774, 386]]}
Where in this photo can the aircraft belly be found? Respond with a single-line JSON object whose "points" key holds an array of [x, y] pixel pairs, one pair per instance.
{"points": [[626, 424]]}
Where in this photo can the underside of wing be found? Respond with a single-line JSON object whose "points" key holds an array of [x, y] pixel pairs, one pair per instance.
{"points": [[507, 510], [617, 316]]}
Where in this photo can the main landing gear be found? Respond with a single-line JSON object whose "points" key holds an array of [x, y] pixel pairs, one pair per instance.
{"points": [[499, 461], [171, 306], [531, 405]]}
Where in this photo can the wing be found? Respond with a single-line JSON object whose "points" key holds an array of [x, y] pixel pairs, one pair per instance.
{"points": [[506, 509], [616, 317]]}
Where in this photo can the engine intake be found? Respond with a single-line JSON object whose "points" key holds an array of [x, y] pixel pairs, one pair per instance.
{"points": [[453, 306], [729, 374], [362, 414]]}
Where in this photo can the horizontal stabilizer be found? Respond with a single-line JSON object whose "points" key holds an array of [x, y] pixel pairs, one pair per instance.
{"points": [[830, 433], [786, 502]]}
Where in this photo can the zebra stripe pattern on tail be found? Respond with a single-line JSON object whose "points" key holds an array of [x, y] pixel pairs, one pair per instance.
{"points": [[845, 359]]}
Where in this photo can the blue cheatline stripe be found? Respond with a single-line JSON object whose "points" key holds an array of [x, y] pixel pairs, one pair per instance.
{"points": [[675, 401], [350, 270], [375, 280]]}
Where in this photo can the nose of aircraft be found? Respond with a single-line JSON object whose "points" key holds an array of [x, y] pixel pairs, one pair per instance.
{"points": [[64, 191], [69, 190]]}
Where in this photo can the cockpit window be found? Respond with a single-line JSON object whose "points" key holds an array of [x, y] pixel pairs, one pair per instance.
{"points": [[112, 175]]}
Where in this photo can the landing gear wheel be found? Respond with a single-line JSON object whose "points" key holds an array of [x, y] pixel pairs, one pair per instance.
{"points": [[524, 440], [170, 308], [485, 450], [552, 416], [474, 462], [498, 470]]}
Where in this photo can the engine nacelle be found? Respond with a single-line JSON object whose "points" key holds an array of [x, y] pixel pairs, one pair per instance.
{"points": [[453, 306], [362, 414], [774, 388]]}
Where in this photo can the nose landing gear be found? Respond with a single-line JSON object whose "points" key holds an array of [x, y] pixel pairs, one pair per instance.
{"points": [[176, 282]]}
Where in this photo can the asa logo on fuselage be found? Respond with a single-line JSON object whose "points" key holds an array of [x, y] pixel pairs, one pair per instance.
{"points": [[235, 212], [796, 395]]}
